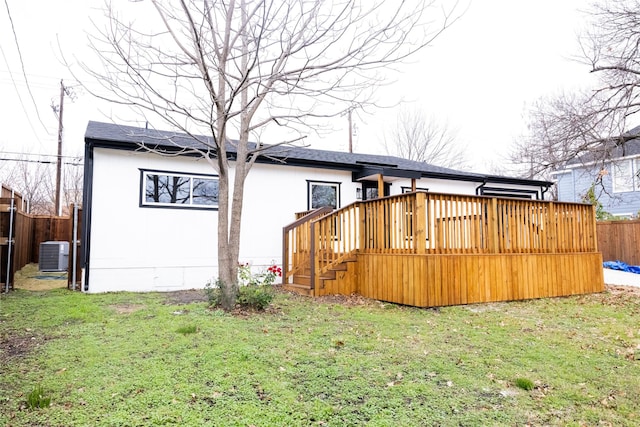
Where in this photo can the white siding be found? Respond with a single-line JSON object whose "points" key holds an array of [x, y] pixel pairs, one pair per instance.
{"points": [[159, 249], [143, 249]]}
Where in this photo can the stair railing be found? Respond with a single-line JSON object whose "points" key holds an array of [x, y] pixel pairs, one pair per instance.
{"points": [[296, 243]]}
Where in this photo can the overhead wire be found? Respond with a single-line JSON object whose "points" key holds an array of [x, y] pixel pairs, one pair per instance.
{"points": [[24, 73], [20, 98], [45, 162]]}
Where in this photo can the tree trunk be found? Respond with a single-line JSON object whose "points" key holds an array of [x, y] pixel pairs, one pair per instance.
{"points": [[227, 255]]}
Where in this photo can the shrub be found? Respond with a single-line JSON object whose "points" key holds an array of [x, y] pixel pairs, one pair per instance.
{"points": [[38, 399], [255, 290], [257, 297]]}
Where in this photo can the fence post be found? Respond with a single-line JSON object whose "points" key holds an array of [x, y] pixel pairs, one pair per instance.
{"points": [[74, 243]]}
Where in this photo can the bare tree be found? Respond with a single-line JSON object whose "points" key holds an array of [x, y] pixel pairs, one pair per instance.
{"points": [[418, 137], [590, 125], [33, 178], [34, 181], [611, 49], [72, 183], [560, 128], [238, 67]]}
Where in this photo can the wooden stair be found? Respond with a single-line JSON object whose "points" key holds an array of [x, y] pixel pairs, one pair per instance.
{"points": [[302, 282], [298, 289]]}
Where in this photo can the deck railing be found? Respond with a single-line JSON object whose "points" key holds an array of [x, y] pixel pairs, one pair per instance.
{"points": [[433, 223]]}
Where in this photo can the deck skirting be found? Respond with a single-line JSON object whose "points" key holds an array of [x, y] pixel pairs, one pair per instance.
{"points": [[454, 279]]}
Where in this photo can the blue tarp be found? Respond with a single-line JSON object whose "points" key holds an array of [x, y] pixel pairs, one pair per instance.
{"points": [[619, 265]]}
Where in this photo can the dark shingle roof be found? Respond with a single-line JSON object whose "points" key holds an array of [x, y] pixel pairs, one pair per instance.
{"points": [[612, 149], [131, 138]]}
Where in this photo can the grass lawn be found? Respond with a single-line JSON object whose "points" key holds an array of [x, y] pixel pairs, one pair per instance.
{"points": [[165, 359]]}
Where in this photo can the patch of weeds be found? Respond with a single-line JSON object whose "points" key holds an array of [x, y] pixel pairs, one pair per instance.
{"points": [[213, 291], [38, 399], [189, 329], [524, 383]]}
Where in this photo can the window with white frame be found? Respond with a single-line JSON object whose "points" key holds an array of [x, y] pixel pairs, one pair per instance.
{"points": [[626, 175], [178, 190], [323, 193]]}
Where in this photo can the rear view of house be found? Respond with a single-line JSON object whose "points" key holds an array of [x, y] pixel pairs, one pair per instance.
{"points": [[150, 220]]}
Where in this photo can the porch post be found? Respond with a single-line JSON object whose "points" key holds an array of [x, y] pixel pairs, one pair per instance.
{"points": [[413, 185], [380, 185]]}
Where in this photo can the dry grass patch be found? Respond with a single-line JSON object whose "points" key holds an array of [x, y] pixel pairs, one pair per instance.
{"points": [[30, 278]]}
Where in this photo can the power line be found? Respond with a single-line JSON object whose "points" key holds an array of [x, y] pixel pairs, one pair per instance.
{"points": [[24, 72], [44, 162], [20, 98], [22, 153]]}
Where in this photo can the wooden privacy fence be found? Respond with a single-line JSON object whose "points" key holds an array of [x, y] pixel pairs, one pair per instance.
{"points": [[485, 236], [619, 240], [31, 230]]}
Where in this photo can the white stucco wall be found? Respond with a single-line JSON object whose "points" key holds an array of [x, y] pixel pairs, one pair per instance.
{"points": [[137, 248], [160, 249]]}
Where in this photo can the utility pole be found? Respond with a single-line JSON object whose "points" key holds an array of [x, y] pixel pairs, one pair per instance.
{"points": [[59, 165]]}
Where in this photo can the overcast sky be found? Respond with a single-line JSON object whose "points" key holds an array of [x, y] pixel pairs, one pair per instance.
{"points": [[479, 76]]}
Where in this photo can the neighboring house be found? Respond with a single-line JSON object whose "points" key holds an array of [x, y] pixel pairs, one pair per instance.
{"points": [[614, 177], [150, 221]]}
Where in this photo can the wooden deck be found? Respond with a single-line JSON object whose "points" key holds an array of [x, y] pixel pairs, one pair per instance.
{"points": [[427, 249]]}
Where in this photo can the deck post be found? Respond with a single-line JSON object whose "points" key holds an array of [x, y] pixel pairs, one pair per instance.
{"points": [[420, 224], [553, 229], [492, 223], [380, 186], [313, 258], [361, 244], [593, 236], [285, 257]]}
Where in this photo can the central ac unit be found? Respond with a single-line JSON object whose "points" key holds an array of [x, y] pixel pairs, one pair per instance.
{"points": [[54, 256]]}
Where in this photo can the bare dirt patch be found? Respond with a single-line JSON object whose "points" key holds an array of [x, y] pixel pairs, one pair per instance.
{"points": [[347, 300], [127, 308], [185, 297], [616, 290], [18, 343]]}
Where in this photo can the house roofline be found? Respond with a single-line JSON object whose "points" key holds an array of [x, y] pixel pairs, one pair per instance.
{"points": [[359, 164]]}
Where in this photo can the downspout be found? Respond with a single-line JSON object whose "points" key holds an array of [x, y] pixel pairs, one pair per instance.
{"points": [[75, 247], [479, 187], [85, 238]]}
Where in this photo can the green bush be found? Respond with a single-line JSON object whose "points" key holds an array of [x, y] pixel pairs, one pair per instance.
{"points": [[255, 290], [38, 399], [257, 297]]}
